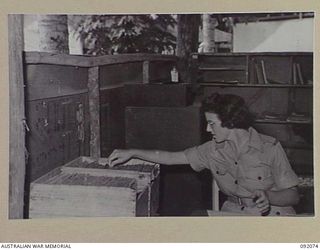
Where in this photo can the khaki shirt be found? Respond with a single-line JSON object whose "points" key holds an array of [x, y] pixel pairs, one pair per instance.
{"points": [[239, 170]]}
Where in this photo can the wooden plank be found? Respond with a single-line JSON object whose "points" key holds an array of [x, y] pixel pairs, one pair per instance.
{"points": [[154, 196], [231, 77], [125, 58], [143, 203], [90, 61], [146, 72], [56, 132], [46, 177], [232, 62], [112, 120], [65, 179], [62, 201], [58, 59], [116, 74], [215, 196], [47, 81], [17, 168], [244, 85], [222, 68], [251, 53], [143, 172], [94, 110], [143, 179]]}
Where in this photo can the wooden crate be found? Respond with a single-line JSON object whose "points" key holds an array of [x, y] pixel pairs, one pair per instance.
{"points": [[165, 128], [86, 187]]}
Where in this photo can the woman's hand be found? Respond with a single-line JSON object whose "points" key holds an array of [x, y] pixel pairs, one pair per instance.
{"points": [[119, 156], [261, 199]]}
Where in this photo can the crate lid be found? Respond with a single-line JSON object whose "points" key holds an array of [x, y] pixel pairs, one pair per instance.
{"points": [[62, 178]]}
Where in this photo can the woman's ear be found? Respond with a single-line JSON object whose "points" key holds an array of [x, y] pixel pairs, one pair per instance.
{"points": [[228, 124]]}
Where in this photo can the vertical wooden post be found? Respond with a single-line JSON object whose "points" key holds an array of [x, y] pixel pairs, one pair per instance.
{"points": [[215, 196], [146, 72], [94, 109], [17, 164]]}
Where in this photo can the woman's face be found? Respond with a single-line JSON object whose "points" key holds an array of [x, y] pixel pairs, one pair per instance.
{"points": [[218, 132]]}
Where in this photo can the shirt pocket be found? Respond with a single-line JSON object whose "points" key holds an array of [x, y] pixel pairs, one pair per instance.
{"points": [[219, 167], [259, 176]]}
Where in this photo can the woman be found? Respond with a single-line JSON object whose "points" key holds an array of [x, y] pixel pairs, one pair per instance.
{"points": [[252, 169]]}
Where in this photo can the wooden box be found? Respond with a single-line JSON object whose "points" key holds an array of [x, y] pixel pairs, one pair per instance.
{"points": [[86, 187], [165, 128]]}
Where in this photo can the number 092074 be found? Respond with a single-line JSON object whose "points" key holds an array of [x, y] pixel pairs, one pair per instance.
{"points": [[309, 246]]}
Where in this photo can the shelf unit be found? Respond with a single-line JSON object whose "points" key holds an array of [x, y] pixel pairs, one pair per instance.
{"points": [[271, 83], [281, 121], [246, 85], [255, 68]]}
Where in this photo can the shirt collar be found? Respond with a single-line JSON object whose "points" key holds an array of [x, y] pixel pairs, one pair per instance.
{"points": [[255, 140], [239, 138]]}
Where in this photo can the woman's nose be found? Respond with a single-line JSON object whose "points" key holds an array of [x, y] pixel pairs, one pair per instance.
{"points": [[209, 129]]}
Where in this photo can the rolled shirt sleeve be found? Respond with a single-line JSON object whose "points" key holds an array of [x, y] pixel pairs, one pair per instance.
{"points": [[284, 176], [198, 157]]}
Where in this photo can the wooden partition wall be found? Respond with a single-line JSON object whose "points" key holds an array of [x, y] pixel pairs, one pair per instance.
{"points": [[72, 103]]}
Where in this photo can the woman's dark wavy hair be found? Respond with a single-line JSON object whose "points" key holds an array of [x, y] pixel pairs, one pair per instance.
{"points": [[231, 110]]}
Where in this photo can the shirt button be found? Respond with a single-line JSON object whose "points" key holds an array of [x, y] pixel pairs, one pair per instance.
{"points": [[236, 181], [236, 163], [259, 178]]}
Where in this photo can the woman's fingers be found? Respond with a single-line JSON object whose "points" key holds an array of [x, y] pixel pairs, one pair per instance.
{"points": [[259, 196], [118, 157], [263, 206], [115, 162], [114, 154], [264, 209], [113, 157], [262, 201]]}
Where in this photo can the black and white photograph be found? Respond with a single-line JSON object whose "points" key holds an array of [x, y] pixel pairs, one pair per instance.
{"points": [[144, 115], [159, 122]]}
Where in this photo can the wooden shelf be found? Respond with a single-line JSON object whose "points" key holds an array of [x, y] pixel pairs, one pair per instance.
{"points": [[112, 86], [246, 85], [275, 121], [236, 54], [222, 68]]}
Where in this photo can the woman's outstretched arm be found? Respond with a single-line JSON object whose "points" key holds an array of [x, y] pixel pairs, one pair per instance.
{"points": [[119, 156]]}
